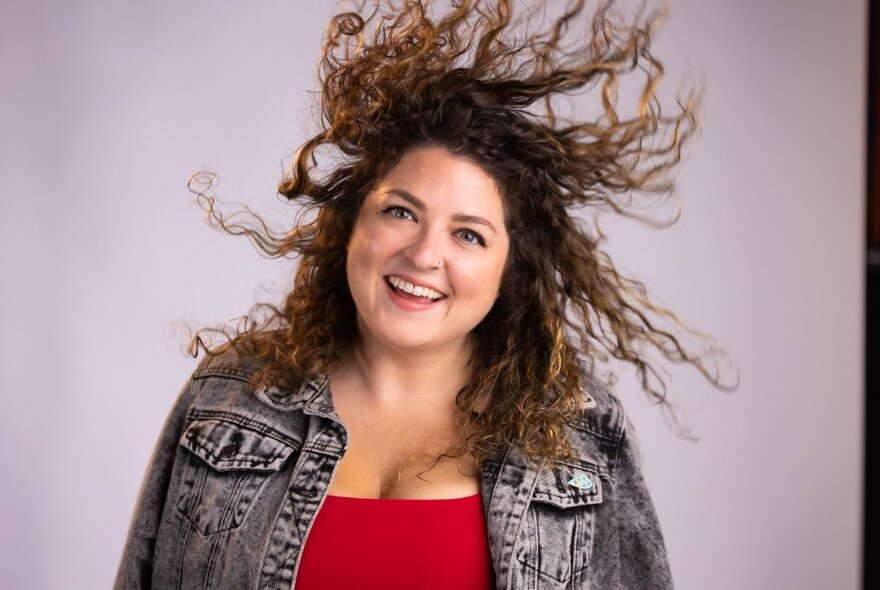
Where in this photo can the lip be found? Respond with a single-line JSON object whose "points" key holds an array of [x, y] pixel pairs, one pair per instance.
{"points": [[415, 282]]}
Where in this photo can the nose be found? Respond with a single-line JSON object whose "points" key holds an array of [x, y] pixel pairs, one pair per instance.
{"points": [[426, 250]]}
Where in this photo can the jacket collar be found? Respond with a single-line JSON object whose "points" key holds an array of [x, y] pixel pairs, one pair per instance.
{"points": [[312, 396]]}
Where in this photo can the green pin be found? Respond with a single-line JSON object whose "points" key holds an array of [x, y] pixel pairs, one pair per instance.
{"points": [[581, 482]]}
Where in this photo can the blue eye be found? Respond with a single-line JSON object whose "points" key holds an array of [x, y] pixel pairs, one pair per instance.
{"points": [[401, 213], [398, 212], [472, 237]]}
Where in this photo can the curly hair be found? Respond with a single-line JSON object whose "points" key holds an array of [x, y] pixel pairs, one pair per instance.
{"points": [[486, 84]]}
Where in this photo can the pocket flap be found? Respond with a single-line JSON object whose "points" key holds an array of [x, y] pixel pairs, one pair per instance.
{"points": [[227, 445], [565, 486]]}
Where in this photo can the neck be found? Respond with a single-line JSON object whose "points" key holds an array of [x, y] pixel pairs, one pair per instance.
{"points": [[393, 378]]}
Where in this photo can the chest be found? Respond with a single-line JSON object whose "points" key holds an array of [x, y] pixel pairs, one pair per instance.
{"points": [[247, 487], [396, 456]]}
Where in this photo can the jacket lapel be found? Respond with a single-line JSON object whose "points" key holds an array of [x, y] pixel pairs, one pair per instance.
{"points": [[506, 491]]}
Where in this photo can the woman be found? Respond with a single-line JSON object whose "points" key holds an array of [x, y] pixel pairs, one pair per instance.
{"points": [[421, 412]]}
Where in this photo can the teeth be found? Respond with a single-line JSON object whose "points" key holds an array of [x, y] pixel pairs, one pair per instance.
{"points": [[413, 289]]}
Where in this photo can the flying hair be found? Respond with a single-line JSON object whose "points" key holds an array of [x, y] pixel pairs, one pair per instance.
{"points": [[489, 81]]}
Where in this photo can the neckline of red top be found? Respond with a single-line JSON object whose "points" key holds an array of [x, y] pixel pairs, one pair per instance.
{"points": [[347, 498], [397, 544]]}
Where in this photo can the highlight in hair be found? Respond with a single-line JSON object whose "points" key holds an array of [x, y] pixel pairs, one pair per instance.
{"points": [[486, 80]]}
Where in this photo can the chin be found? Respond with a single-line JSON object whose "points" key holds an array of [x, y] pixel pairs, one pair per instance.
{"points": [[407, 341]]}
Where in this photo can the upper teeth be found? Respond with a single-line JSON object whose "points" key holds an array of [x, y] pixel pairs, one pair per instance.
{"points": [[414, 289]]}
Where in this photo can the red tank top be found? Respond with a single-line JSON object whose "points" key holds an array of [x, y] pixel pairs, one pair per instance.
{"points": [[387, 544]]}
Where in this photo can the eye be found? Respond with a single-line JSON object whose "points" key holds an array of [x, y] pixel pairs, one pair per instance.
{"points": [[398, 212], [472, 237]]}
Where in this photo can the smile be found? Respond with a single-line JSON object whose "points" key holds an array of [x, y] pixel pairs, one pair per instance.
{"points": [[405, 286]]}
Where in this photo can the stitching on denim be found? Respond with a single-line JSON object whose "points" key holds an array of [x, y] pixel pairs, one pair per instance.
{"points": [[595, 469], [608, 407], [614, 461], [212, 556], [521, 521], [183, 549], [543, 574], [195, 414], [231, 371], [240, 460], [590, 526], [597, 432], [322, 449], [498, 476], [277, 545], [546, 495], [192, 523], [243, 483], [248, 463]]}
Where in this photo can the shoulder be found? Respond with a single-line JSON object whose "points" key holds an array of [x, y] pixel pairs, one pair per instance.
{"points": [[225, 400], [222, 383], [226, 379], [597, 433], [228, 363], [604, 414]]}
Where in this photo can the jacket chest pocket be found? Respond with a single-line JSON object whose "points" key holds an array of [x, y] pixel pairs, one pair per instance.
{"points": [[228, 462], [558, 539]]}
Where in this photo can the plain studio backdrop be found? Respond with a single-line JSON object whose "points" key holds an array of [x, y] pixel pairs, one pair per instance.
{"points": [[109, 107]]}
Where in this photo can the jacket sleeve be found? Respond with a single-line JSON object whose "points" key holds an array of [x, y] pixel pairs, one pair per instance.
{"points": [[642, 553], [136, 567]]}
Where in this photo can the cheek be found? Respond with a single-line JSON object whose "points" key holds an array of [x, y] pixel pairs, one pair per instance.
{"points": [[356, 258], [502, 265], [483, 280], [372, 239], [368, 254], [365, 254], [361, 244]]}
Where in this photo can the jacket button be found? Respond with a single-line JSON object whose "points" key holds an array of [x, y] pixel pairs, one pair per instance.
{"points": [[230, 449]]}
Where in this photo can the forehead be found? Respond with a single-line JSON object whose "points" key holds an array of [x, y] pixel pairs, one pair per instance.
{"points": [[442, 180]]}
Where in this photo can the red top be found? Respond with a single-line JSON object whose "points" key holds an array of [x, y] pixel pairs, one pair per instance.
{"points": [[387, 544]]}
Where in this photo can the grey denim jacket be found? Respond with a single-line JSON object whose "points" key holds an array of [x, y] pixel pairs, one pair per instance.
{"points": [[238, 476]]}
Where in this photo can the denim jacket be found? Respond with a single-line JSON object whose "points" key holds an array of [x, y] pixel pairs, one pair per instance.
{"points": [[238, 476]]}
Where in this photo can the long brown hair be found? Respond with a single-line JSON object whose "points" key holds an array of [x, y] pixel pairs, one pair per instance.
{"points": [[486, 84]]}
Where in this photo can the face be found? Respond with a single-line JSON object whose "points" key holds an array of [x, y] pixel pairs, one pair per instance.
{"points": [[427, 252]]}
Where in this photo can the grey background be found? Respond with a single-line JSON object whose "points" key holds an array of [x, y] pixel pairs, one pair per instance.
{"points": [[108, 107]]}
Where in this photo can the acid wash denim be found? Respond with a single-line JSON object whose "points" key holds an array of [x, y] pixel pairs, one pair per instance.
{"points": [[238, 476]]}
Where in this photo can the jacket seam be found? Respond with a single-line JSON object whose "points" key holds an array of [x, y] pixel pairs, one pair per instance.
{"points": [[620, 432], [196, 414], [615, 458], [612, 437], [224, 371]]}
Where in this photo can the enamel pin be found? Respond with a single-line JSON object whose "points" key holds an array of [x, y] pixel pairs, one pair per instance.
{"points": [[581, 482]]}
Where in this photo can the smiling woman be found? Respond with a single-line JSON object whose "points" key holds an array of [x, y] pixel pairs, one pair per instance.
{"points": [[430, 376], [418, 230]]}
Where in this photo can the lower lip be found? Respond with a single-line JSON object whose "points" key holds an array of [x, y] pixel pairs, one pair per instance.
{"points": [[409, 303]]}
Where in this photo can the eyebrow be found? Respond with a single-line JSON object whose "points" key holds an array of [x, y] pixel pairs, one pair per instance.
{"points": [[419, 204]]}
